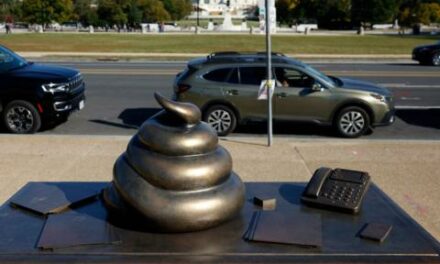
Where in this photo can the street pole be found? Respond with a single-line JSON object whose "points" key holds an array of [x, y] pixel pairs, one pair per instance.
{"points": [[269, 76], [198, 10]]}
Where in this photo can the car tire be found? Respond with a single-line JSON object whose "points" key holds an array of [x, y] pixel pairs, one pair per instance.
{"points": [[352, 122], [435, 59], [21, 117], [221, 118]]}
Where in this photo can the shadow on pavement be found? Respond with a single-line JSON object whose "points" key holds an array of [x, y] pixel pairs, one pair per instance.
{"points": [[136, 116], [131, 118], [115, 124], [414, 64], [420, 117], [287, 128]]}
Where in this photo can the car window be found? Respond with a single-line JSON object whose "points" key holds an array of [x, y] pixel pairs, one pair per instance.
{"points": [[10, 60], [5, 61], [218, 75], [252, 75], [186, 73], [287, 77], [233, 77]]}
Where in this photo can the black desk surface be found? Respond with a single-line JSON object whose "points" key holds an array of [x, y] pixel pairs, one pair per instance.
{"points": [[407, 242]]}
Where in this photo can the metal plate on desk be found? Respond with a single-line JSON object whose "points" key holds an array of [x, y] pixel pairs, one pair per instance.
{"points": [[73, 228], [48, 198], [340, 243]]}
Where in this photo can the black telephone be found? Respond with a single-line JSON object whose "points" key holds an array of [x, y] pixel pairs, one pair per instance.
{"points": [[339, 189]]}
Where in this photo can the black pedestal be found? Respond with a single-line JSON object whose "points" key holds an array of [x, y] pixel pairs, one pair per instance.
{"points": [[20, 232]]}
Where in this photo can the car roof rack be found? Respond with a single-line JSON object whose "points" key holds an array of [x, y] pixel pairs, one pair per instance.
{"points": [[236, 53]]}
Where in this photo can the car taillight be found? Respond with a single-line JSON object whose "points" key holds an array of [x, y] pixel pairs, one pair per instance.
{"points": [[181, 88]]}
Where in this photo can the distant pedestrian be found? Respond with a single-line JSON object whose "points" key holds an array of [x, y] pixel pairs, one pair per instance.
{"points": [[8, 28]]}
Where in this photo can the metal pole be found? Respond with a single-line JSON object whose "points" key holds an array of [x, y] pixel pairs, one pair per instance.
{"points": [[198, 9], [269, 76]]}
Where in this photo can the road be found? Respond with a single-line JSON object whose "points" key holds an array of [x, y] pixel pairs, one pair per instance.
{"points": [[120, 97]]}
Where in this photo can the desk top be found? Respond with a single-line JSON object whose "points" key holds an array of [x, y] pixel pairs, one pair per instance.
{"points": [[408, 242]]}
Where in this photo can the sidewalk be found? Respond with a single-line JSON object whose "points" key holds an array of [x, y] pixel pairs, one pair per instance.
{"points": [[407, 171]]}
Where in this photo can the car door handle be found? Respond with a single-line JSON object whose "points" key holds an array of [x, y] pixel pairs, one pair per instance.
{"points": [[281, 95], [232, 92]]}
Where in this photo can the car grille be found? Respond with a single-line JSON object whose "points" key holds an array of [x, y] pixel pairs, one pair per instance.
{"points": [[75, 84]]}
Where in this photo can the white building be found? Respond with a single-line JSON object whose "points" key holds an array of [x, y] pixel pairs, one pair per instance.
{"points": [[217, 8]]}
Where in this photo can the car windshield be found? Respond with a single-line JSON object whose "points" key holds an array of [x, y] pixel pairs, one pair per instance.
{"points": [[320, 75], [9, 60]]}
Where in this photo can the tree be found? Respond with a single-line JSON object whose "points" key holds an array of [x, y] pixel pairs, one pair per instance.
{"points": [[10, 10], [134, 14], [111, 12], [153, 11], [285, 10], [374, 11], [413, 12], [85, 13], [44, 12], [333, 14], [178, 9], [428, 13]]}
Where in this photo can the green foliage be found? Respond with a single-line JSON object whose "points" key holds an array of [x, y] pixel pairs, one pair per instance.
{"points": [[134, 14], [10, 10], [84, 13], [429, 13], [374, 11], [414, 12], [178, 9], [333, 14], [111, 12], [340, 14], [153, 11], [285, 11], [44, 12]]}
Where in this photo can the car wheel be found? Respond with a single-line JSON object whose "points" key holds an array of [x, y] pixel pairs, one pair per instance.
{"points": [[435, 60], [21, 117], [352, 122], [221, 118]]}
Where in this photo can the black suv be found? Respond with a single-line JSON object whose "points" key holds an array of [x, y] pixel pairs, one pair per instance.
{"points": [[427, 54], [34, 94]]}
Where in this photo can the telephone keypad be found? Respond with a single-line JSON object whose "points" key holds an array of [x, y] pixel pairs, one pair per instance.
{"points": [[338, 189], [341, 192]]}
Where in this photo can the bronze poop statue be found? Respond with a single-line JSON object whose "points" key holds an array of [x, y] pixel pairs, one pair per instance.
{"points": [[174, 175]]}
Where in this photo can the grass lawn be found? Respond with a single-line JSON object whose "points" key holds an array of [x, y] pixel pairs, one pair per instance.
{"points": [[83, 42]]}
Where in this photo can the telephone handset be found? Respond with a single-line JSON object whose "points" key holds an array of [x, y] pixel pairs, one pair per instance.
{"points": [[338, 189]]}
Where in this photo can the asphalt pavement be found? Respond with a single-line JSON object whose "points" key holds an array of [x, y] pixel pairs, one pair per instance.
{"points": [[120, 98]]}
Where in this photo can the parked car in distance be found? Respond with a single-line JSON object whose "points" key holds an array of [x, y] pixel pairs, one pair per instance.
{"points": [[70, 26], [427, 54], [304, 27], [225, 86], [33, 94]]}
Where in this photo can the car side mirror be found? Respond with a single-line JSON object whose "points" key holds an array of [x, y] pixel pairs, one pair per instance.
{"points": [[317, 87]]}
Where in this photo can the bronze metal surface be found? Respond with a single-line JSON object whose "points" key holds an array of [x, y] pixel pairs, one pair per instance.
{"points": [[408, 242], [176, 140], [173, 172], [188, 112], [174, 175]]}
